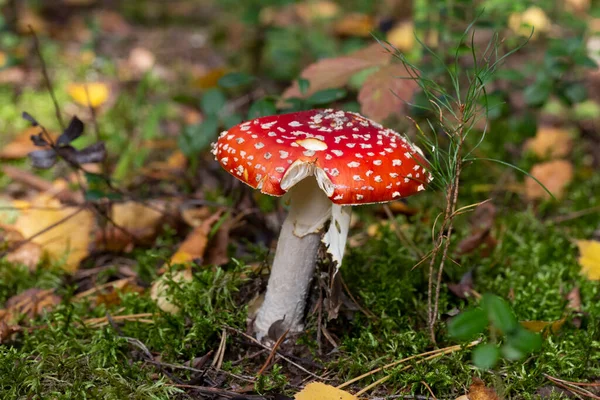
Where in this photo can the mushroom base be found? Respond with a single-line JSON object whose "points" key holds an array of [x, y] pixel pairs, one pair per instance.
{"points": [[295, 260]]}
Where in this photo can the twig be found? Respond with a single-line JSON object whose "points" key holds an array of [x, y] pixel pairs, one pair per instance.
{"points": [[272, 353], [253, 340], [36, 44], [220, 392], [393, 364]]}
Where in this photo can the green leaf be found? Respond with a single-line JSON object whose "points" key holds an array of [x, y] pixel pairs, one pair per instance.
{"points": [[235, 79], [499, 313], [525, 340], [196, 138], [326, 96], [485, 356], [468, 324], [295, 104], [303, 85], [510, 352], [213, 101], [575, 93], [261, 108], [584, 61], [538, 93]]}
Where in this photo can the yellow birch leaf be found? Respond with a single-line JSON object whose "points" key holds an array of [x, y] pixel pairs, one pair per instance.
{"points": [[321, 391], [92, 94], [590, 258], [67, 230]]}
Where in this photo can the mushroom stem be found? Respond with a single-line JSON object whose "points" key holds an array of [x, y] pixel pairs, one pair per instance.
{"points": [[295, 259]]}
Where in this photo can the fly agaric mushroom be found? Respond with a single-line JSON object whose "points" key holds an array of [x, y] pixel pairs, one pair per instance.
{"points": [[353, 161]]}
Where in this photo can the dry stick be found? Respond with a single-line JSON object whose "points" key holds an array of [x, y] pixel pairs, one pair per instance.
{"points": [[216, 391], [272, 354], [36, 44], [385, 378], [429, 389], [365, 311], [393, 364], [252, 339], [575, 385]]}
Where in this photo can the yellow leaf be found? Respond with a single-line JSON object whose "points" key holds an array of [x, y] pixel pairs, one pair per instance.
{"points": [[554, 175], [590, 258], [65, 233], [159, 289], [321, 391], [550, 142], [544, 326], [89, 94], [402, 36], [3, 59], [210, 78], [534, 18], [355, 24]]}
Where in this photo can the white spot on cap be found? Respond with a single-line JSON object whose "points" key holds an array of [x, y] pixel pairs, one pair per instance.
{"points": [[378, 179], [259, 145], [268, 125], [224, 160], [271, 134], [357, 178], [420, 188], [396, 194], [339, 197], [243, 153], [393, 175], [295, 124], [369, 173], [312, 144], [353, 164], [396, 162], [351, 145], [377, 162], [283, 154], [279, 170], [335, 172], [359, 197], [338, 153], [239, 140], [268, 155]]}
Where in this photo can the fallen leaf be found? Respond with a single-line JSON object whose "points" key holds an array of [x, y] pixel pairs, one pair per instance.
{"points": [[554, 175], [62, 232], [544, 326], [111, 295], [401, 207], [29, 304], [464, 287], [574, 298], [22, 145], [322, 391], [336, 72], [550, 142], [589, 259], [317, 10], [158, 293], [386, 92], [194, 245], [92, 94], [478, 391], [28, 254], [209, 79], [355, 24], [3, 59], [480, 237], [402, 36], [133, 221], [534, 18]]}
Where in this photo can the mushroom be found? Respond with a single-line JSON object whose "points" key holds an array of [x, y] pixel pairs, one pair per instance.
{"points": [[325, 160]]}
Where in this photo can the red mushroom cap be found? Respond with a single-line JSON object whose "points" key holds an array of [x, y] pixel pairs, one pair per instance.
{"points": [[355, 160]]}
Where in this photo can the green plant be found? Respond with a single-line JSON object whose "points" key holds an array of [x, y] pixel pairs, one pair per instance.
{"points": [[495, 315]]}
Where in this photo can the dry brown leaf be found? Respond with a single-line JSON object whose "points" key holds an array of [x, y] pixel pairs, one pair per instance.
{"points": [[550, 142], [322, 391], [210, 78], [554, 175], [111, 295], [336, 72], [92, 94], [400, 207], [3, 59], [66, 229], [386, 92], [28, 254], [478, 391], [194, 245], [29, 304], [22, 145], [158, 293], [589, 259], [355, 24]]}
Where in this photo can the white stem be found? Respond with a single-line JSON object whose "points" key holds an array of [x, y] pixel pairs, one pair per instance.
{"points": [[295, 259]]}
